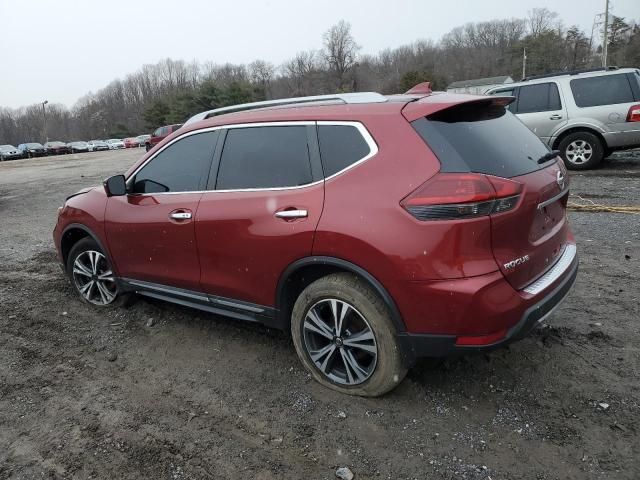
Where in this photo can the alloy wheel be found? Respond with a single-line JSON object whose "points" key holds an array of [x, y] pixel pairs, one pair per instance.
{"points": [[579, 151], [340, 342], [94, 278]]}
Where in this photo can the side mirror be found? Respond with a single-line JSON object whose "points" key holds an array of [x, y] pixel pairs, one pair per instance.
{"points": [[115, 186]]}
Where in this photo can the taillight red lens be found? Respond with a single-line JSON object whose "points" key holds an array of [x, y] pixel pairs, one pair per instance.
{"points": [[634, 114], [462, 195], [452, 188]]}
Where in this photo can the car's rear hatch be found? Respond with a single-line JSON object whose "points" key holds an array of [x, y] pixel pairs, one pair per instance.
{"points": [[481, 141]]}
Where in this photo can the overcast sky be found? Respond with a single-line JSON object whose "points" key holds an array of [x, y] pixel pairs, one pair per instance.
{"points": [[60, 50]]}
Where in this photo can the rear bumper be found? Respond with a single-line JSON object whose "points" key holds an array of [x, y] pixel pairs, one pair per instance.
{"points": [[622, 139], [534, 312]]}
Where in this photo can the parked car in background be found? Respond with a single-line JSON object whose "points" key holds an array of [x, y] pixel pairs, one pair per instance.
{"points": [[97, 145], [56, 148], [114, 143], [9, 152], [586, 115], [131, 142], [32, 149], [142, 139], [160, 134], [78, 147], [388, 228]]}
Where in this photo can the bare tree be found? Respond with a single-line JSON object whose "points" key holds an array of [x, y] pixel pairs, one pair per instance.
{"points": [[299, 72], [541, 20], [261, 73], [340, 51]]}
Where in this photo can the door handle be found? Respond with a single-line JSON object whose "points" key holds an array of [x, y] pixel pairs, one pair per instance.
{"points": [[180, 215], [555, 117], [291, 214]]}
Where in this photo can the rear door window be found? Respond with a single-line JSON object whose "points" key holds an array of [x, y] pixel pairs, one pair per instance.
{"points": [[601, 90], [482, 138], [264, 157], [181, 167], [340, 147], [541, 97]]}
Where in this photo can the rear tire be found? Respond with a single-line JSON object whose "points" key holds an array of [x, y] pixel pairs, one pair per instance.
{"points": [[581, 151], [362, 356]]}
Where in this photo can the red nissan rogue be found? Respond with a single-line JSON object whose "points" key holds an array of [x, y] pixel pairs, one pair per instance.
{"points": [[376, 229]]}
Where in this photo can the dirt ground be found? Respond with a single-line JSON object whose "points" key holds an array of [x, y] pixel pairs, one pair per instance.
{"points": [[163, 392]]}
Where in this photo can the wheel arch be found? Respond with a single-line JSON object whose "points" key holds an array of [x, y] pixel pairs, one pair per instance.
{"points": [[579, 128], [75, 232], [301, 273]]}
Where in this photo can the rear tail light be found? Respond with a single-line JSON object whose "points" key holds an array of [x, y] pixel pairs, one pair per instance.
{"points": [[634, 114], [462, 195]]}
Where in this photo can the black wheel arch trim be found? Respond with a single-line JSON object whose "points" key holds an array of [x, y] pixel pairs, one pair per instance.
{"points": [[94, 237], [396, 317]]}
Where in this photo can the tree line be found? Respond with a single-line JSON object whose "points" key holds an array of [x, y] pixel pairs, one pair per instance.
{"points": [[172, 90]]}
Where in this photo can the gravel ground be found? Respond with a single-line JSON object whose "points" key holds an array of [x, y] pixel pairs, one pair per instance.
{"points": [[159, 391]]}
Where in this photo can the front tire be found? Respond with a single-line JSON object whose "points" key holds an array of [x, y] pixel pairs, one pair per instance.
{"points": [[344, 336], [581, 151], [147, 147], [92, 276]]}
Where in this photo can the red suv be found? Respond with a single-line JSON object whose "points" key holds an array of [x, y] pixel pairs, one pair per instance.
{"points": [[376, 229], [160, 134]]}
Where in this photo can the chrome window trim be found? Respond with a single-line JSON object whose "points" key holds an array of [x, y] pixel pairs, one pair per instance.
{"points": [[555, 272], [373, 146], [373, 150]]}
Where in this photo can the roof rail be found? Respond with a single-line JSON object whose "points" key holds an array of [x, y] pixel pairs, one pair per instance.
{"points": [[569, 72], [345, 98]]}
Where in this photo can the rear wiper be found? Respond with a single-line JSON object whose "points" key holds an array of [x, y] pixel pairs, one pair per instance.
{"points": [[548, 156]]}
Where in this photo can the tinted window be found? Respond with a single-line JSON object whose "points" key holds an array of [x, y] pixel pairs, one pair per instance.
{"points": [[264, 157], [604, 90], [543, 97], [340, 146], [181, 167], [483, 139]]}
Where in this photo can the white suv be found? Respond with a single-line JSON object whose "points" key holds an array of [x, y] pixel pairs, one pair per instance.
{"points": [[585, 115]]}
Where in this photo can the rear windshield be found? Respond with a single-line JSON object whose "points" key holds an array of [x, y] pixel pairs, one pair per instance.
{"points": [[481, 138]]}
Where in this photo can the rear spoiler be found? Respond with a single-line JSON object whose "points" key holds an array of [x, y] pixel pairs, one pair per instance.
{"points": [[436, 103]]}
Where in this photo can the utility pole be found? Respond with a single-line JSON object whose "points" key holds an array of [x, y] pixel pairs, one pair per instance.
{"points": [[524, 63], [44, 116], [606, 31]]}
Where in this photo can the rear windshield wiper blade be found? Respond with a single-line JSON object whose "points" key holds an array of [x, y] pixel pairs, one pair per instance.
{"points": [[548, 156]]}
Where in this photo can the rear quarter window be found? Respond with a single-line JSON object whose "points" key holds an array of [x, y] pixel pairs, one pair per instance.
{"points": [[340, 147], [602, 90], [481, 138]]}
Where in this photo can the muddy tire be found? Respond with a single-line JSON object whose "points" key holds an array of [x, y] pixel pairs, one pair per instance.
{"points": [[92, 276], [343, 334]]}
